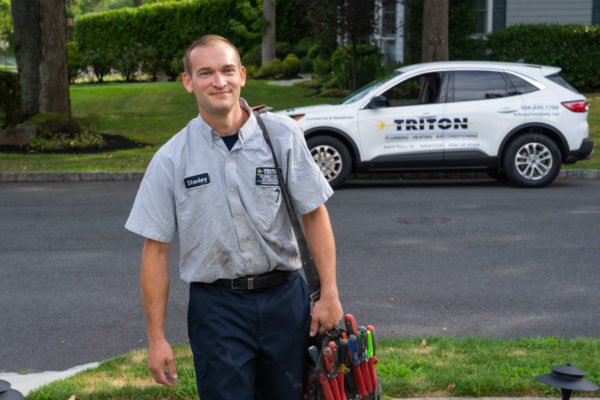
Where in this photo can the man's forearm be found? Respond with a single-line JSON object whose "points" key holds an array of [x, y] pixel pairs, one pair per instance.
{"points": [[154, 278], [320, 240]]}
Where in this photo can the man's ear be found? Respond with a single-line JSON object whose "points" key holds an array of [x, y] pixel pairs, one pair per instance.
{"points": [[187, 82], [243, 74]]}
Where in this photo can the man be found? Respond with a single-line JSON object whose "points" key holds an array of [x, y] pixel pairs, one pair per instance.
{"points": [[248, 315]]}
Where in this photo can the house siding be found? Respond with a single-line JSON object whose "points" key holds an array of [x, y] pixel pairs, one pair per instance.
{"points": [[548, 12]]}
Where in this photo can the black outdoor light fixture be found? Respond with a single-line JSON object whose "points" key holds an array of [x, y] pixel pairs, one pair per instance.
{"points": [[6, 393], [567, 378]]}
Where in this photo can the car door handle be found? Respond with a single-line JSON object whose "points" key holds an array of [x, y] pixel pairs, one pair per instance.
{"points": [[426, 116], [507, 110]]}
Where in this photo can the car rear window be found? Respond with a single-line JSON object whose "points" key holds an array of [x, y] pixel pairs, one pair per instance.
{"points": [[521, 86], [556, 78]]}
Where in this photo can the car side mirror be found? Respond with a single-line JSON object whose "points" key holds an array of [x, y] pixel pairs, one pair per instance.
{"points": [[378, 102]]}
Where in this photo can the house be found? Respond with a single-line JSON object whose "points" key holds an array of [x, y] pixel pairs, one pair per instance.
{"points": [[491, 15]]}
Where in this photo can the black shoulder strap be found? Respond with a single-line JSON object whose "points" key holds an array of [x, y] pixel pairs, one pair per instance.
{"points": [[310, 272]]}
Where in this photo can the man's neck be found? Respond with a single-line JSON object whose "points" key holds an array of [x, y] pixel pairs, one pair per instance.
{"points": [[226, 124]]}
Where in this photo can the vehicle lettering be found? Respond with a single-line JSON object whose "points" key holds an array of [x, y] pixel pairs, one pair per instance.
{"points": [[422, 124]]}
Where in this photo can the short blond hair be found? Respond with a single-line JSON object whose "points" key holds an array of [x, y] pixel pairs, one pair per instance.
{"points": [[207, 40]]}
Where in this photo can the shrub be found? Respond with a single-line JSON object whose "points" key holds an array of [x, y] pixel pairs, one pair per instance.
{"points": [[282, 49], [75, 60], [367, 69], [175, 68], [167, 27], [321, 68], [574, 48], [151, 63], [10, 101], [306, 64], [272, 69], [59, 133], [101, 63], [303, 46], [127, 62], [290, 65], [253, 56]]}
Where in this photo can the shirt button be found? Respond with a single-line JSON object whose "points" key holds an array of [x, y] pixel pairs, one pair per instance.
{"points": [[232, 189], [238, 216], [244, 244]]}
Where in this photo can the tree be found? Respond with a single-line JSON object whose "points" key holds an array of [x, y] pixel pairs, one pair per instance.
{"points": [[353, 21], [268, 37], [41, 50], [434, 42]]}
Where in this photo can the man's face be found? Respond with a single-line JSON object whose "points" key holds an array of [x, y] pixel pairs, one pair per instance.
{"points": [[216, 78]]}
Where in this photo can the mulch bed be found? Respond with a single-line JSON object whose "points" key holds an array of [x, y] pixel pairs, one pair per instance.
{"points": [[111, 143]]}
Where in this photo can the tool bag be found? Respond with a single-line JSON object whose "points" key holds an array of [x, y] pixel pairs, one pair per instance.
{"points": [[341, 362]]}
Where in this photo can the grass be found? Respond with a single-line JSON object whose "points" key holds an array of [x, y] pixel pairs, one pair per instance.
{"points": [[431, 367], [153, 112], [147, 112]]}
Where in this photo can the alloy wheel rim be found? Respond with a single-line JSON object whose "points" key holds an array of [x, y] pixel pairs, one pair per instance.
{"points": [[329, 161], [533, 161]]}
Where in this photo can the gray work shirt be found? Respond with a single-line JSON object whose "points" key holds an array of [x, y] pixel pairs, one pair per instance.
{"points": [[227, 205]]}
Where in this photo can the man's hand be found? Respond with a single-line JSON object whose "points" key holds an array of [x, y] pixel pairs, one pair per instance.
{"points": [[327, 313], [160, 354]]}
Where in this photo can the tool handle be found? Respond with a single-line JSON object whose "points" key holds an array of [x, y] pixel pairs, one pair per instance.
{"points": [[353, 349], [360, 383], [350, 325], [334, 388], [374, 383], [343, 353], [371, 329], [326, 387], [364, 369], [329, 361], [340, 381]]}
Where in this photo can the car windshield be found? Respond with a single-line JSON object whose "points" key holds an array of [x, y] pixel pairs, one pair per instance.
{"points": [[362, 92]]}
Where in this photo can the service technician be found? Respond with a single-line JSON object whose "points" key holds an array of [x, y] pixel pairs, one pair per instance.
{"points": [[213, 182]]}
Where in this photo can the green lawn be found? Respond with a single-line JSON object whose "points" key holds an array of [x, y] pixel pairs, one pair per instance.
{"points": [[417, 367], [153, 112]]}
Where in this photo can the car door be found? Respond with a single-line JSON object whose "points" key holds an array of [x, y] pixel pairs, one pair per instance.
{"points": [[397, 128], [482, 108]]}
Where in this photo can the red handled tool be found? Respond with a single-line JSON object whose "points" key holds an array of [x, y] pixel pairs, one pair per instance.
{"points": [[358, 376], [364, 359], [325, 386], [329, 359], [340, 369], [372, 355], [350, 325]]}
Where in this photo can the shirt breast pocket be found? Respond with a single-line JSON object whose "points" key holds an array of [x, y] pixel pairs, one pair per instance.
{"points": [[267, 201]]}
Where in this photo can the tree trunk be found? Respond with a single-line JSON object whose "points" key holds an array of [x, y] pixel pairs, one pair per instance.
{"points": [[54, 69], [27, 29], [268, 38], [41, 50], [434, 43]]}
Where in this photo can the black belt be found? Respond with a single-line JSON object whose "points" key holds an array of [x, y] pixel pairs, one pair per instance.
{"points": [[254, 282]]}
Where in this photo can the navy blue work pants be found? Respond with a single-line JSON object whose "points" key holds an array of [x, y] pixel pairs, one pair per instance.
{"points": [[250, 344]]}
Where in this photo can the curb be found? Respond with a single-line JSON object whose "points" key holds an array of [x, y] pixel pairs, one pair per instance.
{"points": [[136, 176]]}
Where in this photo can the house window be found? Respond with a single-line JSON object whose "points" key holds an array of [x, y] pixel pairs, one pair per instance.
{"points": [[388, 14], [481, 16]]}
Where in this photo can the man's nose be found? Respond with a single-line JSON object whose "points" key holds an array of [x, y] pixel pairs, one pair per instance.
{"points": [[219, 80]]}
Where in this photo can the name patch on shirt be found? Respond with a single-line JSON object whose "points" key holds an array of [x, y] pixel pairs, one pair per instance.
{"points": [[266, 176], [195, 181]]}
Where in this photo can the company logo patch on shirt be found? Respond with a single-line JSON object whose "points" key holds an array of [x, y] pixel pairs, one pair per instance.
{"points": [[195, 181], [266, 176]]}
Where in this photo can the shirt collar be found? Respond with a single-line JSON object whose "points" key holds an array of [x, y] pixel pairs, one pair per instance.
{"points": [[246, 132]]}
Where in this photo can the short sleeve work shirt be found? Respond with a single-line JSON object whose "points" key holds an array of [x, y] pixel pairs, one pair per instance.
{"points": [[227, 205]]}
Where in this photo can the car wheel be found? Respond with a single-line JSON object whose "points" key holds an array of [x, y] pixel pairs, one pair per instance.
{"points": [[532, 160], [332, 157]]}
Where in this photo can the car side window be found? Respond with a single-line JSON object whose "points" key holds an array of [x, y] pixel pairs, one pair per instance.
{"points": [[421, 89], [520, 86], [479, 85]]}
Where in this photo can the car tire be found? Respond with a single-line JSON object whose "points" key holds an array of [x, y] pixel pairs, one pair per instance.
{"points": [[332, 158], [532, 160]]}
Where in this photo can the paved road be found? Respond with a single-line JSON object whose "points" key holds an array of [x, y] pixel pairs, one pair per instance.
{"points": [[453, 258]]}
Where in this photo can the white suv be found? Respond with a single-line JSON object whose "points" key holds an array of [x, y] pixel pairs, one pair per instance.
{"points": [[515, 121]]}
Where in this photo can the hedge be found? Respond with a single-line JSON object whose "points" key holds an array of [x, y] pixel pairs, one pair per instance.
{"points": [[368, 68], [574, 48], [167, 29], [10, 101]]}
